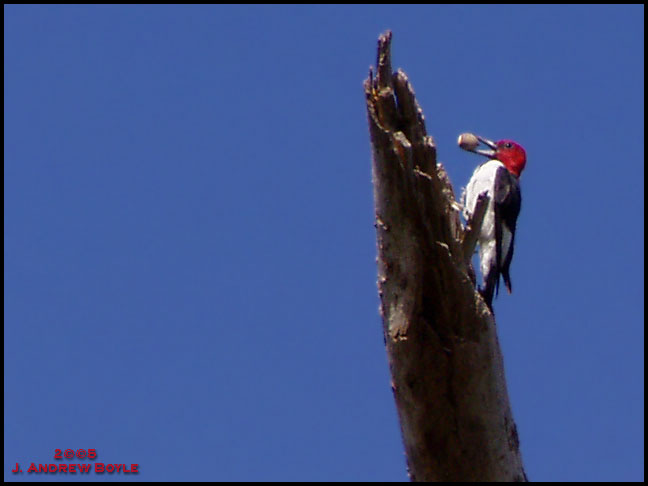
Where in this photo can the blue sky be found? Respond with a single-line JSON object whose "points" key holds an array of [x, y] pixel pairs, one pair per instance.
{"points": [[190, 279]]}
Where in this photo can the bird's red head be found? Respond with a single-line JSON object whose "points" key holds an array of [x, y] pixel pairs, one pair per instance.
{"points": [[512, 155], [508, 152]]}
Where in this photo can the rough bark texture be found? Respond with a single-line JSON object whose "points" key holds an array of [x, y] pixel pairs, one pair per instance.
{"points": [[444, 356]]}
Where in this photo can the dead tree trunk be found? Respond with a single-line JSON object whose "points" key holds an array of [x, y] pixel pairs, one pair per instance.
{"points": [[444, 356]]}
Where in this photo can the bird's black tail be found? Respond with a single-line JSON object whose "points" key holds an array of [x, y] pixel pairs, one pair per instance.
{"points": [[490, 288]]}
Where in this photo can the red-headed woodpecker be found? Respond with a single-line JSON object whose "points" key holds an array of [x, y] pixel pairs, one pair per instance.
{"points": [[499, 179]]}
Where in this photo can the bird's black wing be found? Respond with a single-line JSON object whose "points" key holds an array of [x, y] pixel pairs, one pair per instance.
{"points": [[508, 200]]}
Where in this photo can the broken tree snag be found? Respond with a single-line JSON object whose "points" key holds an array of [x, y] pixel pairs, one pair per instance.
{"points": [[444, 357]]}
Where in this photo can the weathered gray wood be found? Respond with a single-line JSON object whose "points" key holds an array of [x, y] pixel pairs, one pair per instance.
{"points": [[444, 356]]}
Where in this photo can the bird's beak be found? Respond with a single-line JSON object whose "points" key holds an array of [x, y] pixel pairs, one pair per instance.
{"points": [[489, 143]]}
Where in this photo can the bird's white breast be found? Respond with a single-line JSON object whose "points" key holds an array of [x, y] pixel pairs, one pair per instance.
{"points": [[483, 180]]}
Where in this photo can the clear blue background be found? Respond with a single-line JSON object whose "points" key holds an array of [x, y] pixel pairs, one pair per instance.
{"points": [[189, 244]]}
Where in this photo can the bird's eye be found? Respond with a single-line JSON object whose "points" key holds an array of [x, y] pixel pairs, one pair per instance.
{"points": [[508, 145]]}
